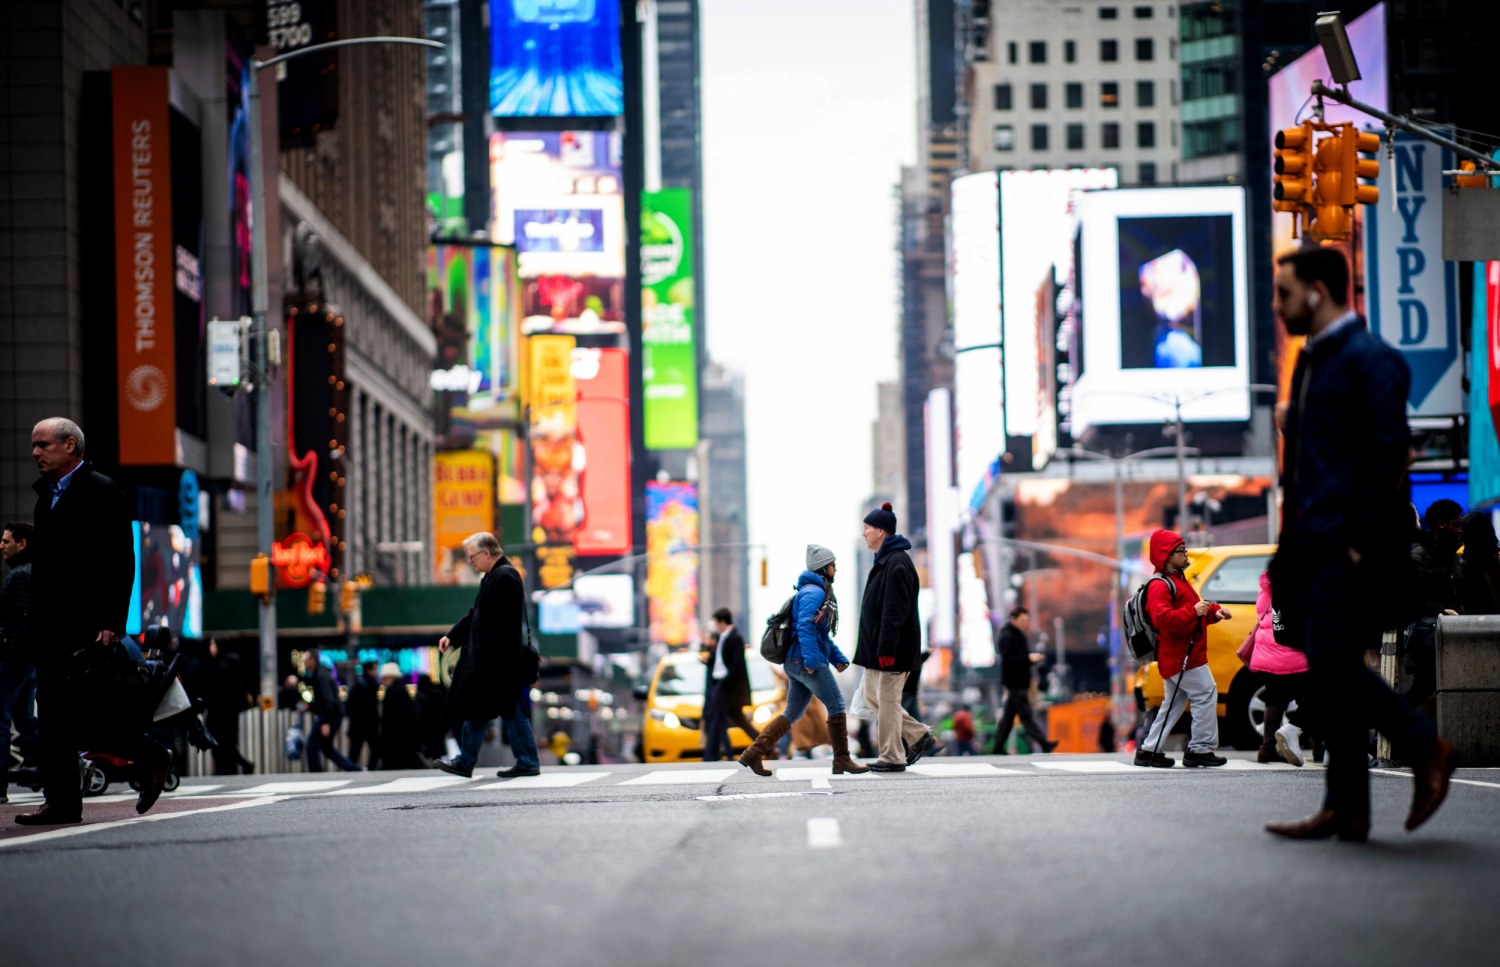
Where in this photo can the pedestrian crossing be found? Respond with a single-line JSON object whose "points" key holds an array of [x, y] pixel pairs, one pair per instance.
{"points": [[818, 773]]}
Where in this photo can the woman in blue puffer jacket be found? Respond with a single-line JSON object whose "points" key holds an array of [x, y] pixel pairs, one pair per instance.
{"points": [[810, 663]]}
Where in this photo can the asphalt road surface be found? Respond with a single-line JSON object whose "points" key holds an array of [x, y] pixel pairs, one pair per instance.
{"points": [[990, 860]]}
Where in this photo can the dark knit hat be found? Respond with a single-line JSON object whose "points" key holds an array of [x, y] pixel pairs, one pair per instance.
{"points": [[882, 517]]}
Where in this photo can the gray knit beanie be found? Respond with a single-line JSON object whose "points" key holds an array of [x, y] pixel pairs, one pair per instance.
{"points": [[818, 557]]}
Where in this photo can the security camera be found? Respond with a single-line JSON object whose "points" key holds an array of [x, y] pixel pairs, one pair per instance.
{"points": [[1335, 43]]}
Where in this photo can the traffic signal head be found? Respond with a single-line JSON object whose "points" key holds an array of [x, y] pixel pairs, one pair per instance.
{"points": [[317, 598], [348, 593], [1290, 187], [1329, 220], [1354, 167]]}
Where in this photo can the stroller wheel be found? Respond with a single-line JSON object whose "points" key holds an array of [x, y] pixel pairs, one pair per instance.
{"points": [[95, 782], [172, 783]]}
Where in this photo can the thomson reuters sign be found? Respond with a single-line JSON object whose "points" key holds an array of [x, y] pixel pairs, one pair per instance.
{"points": [[143, 265]]}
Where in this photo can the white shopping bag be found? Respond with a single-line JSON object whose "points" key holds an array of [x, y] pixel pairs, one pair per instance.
{"points": [[857, 706], [174, 702]]}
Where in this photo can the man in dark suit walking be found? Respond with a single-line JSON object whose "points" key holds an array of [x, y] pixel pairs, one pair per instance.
{"points": [[494, 668], [82, 572], [1016, 659], [726, 689]]}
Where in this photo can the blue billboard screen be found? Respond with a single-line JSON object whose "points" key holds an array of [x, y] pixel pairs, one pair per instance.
{"points": [[555, 59]]}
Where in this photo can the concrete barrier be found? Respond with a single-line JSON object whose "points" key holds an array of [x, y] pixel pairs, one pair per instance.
{"points": [[1468, 686]]}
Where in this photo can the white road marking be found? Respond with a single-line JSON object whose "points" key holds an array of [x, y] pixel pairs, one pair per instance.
{"points": [[824, 833], [409, 784], [1249, 765], [821, 782], [685, 777], [1466, 782], [765, 795], [944, 770], [1088, 765], [295, 788], [814, 773], [67, 831], [547, 780]]}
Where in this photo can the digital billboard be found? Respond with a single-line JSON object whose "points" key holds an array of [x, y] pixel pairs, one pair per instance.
{"points": [[1036, 221], [463, 503], [556, 452], [671, 571], [1167, 307], [974, 246], [669, 371], [555, 59], [472, 307], [1484, 391], [168, 587], [602, 377]]}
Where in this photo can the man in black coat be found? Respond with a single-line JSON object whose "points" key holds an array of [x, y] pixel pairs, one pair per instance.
{"points": [[890, 640], [82, 573], [17, 678], [328, 716], [1340, 563], [494, 671], [726, 688], [398, 721], [363, 709], [1016, 659]]}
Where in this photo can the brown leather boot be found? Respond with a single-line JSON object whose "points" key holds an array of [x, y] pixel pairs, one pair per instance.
{"points": [[1268, 751], [1430, 783], [764, 744], [1323, 824], [838, 737]]}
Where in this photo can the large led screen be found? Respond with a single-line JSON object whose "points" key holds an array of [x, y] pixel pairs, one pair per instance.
{"points": [[1167, 315], [974, 246], [668, 305], [672, 568], [555, 59], [472, 309]]}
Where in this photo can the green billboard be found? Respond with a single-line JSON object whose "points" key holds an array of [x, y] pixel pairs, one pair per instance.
{"points": [[669, 368]]}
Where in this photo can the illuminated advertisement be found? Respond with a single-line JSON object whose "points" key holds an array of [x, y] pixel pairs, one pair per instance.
{"points": [[976, 634], [1166, 290], [555, 59], [1036, 219], [168, 587], [669, 372], [311, 510], [472, 308], [602, 377], [463, 504], [557, 457], [671, 572], [979, 429], [596, 601], [1484, 391]]}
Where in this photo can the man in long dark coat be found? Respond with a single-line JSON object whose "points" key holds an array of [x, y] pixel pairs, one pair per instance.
{"points": [[494, 670]]}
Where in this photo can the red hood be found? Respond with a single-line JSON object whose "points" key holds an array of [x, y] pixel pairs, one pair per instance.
{"points": [[1163, 542]]}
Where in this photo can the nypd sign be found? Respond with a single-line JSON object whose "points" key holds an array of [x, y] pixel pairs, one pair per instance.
{"points": [[1411, 294]]}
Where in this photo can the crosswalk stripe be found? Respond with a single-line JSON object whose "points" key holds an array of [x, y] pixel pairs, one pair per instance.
{"points": [[1087, 765], [547, 780], [806, 773], [294, 788], [944, 770], [409, 784], [824, 833], [668, 777]]}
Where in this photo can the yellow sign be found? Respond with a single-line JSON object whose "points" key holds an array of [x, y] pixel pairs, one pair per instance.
{"points": [[463, 503], [552, 375], [555, 566]]}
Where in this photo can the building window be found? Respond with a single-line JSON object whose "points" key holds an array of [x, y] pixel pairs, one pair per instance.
{"points": [[1109, 51], [1145, 48], [1070, 51], [1111, 134], [1144, 13], [1011, 51], [1005, 137], [1002, 97], [1108, 13], [1109, 94], [1145, 134], [1145, 93], [1148, 173], [1075, 137], [1075, 94], [1039, 137], [1039, 97], [1037, 51]]}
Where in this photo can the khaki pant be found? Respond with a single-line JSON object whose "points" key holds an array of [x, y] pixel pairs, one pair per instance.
{"points": [[892, 722]]}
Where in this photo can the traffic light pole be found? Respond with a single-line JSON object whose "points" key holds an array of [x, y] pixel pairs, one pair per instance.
{"points": [[1484, 163]]}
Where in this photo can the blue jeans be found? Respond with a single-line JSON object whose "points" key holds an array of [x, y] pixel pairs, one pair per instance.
{"points": [[518, 734], [802, 687], [319, 745]]}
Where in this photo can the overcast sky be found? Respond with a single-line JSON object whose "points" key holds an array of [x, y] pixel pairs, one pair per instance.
{"points": [[809, 112]]}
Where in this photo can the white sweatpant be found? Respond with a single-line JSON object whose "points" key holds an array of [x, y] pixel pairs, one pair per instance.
{"points": [[1195, 686]]}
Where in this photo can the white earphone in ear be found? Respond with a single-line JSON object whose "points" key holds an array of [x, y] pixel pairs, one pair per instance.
{"points": [[1313, 299]]}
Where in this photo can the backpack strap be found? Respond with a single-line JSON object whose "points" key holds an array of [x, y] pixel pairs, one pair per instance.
{"points": [[525, 617]]}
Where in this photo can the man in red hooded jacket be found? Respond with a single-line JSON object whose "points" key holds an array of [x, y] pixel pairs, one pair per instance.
{"points": [[1180, 617]]}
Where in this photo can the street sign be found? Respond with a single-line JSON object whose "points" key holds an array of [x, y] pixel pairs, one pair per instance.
{"points": [[1411, 294], [226, 347]]}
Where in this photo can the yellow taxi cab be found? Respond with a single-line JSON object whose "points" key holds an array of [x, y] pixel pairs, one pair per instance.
{"points": [[1228, 575], [671, 731]]}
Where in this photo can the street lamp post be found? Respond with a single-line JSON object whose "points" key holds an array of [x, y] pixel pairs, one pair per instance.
{"points": [[260, 343]]}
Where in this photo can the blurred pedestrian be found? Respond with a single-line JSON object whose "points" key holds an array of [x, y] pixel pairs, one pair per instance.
{"points": [[1339, 568], [82, 571], [1283, 673], [963, 731], [1480, 570], [17, 674], [427, 706], [398, 721], [1439, 589], [809, 666], [492, 677], [226, 699], [328, 716], [726, 688], [1180, 618], [363, 708], [889, 642], [1016, 661], [289, 695]]}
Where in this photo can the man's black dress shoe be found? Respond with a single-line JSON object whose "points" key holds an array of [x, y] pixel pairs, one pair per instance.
{"points": [[48, 815], [880, 765], [515, 772]]}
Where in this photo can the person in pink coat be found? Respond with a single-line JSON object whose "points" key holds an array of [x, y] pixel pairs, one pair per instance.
{"points": [[1283, 671]]}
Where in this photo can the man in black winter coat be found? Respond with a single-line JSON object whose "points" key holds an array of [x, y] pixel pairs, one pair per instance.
{"points": [[493, 675], [81, 575], [726, 687], [1016, 659], [328, 717], [17, 678], [363, 709], [889, 642]]}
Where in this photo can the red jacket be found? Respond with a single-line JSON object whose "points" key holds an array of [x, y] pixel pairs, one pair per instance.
{"points": [[1179, 628]]}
